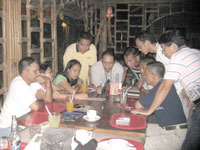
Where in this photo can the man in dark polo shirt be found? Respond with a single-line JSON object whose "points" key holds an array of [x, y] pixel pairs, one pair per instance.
{"points": [[169, 114]]}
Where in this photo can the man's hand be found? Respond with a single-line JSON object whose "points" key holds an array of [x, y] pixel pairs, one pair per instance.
{"points": [[141, 111], [99, 90], [81, 96], [140, 83], [43, 79]]}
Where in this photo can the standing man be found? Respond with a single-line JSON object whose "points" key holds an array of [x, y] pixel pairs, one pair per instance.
{"points": [[83, 51], [147, 43], [22, 96], [184, 67]]}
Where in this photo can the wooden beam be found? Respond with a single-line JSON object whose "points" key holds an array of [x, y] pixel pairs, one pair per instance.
{"points": [[139, 1]]}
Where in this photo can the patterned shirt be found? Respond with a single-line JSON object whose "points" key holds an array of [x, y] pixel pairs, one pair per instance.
{"points": [[184, 67]]}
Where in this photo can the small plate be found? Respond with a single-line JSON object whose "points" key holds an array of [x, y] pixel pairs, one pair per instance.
{"points": [[115, 144], [93, 120]]}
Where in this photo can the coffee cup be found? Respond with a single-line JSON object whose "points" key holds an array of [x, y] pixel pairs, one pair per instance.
{"points": [[91, 114], [83, 136]]}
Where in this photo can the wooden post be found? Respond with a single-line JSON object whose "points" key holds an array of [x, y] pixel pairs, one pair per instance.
{"points": [[109, 31], [41, 31], [13, 36], [104, 34], [86, 15], [54, 36]]}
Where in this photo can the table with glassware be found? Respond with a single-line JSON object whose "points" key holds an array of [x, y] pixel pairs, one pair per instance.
{"points": [[107, 122]]}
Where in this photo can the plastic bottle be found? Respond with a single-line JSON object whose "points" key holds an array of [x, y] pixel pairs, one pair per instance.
{"points": [[15, 142]]}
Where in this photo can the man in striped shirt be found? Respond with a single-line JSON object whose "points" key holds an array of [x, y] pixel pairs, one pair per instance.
{"points": [[184, 67]]}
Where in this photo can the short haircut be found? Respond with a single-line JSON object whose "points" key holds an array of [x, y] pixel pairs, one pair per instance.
{"points": [[172, 36], [132, 51], [156, 68], [144, 35], [147, 59], [85, 35], [24, 63], [108, 52], [43, 67]]}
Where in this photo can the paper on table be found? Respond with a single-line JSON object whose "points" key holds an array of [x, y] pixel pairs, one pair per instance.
{"points": [[95, 99], [35, 142]]}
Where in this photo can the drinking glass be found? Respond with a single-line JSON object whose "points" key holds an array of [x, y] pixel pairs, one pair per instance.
{"points": [[84, 87], [3, 143], [54, 120], [123, 97], [34, 129], [70, 106]]}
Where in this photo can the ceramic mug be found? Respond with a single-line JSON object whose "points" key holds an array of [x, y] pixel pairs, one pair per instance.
{"points": [[91, 114], [83, 136]]}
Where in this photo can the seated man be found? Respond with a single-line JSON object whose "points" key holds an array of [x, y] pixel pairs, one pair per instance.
{"points": [[169, 114], [142, 85], [106, 70], [22, 97]]}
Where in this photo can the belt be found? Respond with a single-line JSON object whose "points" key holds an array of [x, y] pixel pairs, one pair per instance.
{"points": [[196, 101], [173, 127]]}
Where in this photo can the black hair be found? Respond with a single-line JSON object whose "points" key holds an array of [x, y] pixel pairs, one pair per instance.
{"points": [[108, 52], [43, 67], [147, 59], [24, 63], [85, 35], [70, 64], [144, 35], [172, 36], [132, 50], [157, 68]]}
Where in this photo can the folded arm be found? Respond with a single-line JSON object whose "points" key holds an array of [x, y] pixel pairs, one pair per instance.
{"points": [[45, 95], [37, 105]]}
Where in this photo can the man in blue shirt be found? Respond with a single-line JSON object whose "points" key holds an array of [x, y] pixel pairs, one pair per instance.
{"points": [[169, 114]]}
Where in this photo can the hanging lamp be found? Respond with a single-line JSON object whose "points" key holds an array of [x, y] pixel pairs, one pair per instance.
{"points": [[109, 12]]}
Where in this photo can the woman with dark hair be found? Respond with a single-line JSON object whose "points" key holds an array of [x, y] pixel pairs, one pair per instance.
{"points": [[69, 79], [46, 70]]}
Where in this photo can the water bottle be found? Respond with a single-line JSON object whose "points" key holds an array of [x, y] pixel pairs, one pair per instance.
{"points": [[15, 142]]}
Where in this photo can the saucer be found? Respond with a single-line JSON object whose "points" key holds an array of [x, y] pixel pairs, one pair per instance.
{"points": [[91, 120], [115, 144]]}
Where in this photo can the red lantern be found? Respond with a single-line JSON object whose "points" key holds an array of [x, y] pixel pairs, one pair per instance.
{"points": [[109, 13]]}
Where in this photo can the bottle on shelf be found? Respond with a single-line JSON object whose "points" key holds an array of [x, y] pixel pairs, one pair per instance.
{"points": [[15, 142]]}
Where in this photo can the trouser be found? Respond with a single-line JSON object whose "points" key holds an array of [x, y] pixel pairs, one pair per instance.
{"points": [[192, 139], [158, 138]]}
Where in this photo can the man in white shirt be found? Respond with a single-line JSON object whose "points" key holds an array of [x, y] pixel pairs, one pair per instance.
{"points": [[21, 97], [106, 69], [146, 43]]}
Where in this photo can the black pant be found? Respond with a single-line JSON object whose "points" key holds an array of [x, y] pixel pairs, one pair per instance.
{"points": [[192, 139]]}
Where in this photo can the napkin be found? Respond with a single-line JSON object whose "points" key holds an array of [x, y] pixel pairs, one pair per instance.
{"points": [[136, 121], [56, 139]]}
